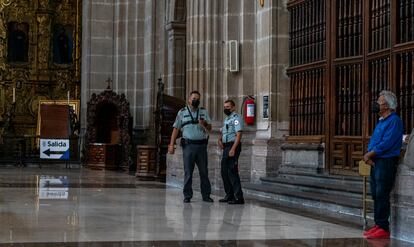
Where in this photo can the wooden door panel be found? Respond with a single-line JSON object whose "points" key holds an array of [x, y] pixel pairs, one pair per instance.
{"points": [[346, 153], [348, 100], [307, 102], [405, 88]]}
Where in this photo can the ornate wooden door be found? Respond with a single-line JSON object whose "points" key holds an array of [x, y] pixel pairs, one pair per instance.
{"points": [[368, 48]]}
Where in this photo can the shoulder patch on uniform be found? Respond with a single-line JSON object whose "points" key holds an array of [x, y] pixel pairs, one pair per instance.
{"points": [[236, 122], [183, 109]]}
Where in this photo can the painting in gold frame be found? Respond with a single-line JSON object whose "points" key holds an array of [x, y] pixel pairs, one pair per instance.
{"points": [[75, 104]]}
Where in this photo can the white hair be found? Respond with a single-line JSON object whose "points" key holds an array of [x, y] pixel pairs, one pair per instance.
{"points": [[390, 98]]}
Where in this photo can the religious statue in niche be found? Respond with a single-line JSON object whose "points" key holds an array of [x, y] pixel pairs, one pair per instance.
{"points": [[62, 44], [18, 42]]}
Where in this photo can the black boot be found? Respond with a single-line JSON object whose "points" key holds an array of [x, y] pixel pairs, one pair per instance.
{"points": [[237, 201], [227, 198]]}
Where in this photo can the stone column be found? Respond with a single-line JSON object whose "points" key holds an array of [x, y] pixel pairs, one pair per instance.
{"points": [[204, 73], [402, 208], [271, 79], [205, 52], [97, 49], [176, 47]]}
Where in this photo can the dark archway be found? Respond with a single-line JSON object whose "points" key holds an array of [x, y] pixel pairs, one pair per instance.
{"points": [[106, 122], [62, 44], [18, 42]]}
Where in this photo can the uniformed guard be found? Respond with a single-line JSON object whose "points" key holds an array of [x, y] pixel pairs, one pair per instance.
{"points": [[230, 141], [195, 123]]}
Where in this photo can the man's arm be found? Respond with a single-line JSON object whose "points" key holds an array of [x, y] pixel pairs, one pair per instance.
{"points": [[368, 157], [232, 151], [207, 126], [206, 122], [220, 142], [172, 141]]}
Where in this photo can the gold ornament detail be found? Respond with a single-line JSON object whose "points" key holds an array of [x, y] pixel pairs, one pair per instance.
{"points": [[261, 2], [4, 3], [44, 35], [39, 77]]}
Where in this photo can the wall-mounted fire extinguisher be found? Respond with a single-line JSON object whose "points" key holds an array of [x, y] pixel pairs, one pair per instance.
{"points": [[248, 109]]}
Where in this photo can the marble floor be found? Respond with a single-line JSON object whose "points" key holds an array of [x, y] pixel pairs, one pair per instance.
{"points": [[82, 207]]}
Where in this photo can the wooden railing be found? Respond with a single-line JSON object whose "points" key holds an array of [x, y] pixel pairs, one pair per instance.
{"points": [[349, 28], [405, 23], [348, 100], [379, 74], [307, 102], [307, 32], [405, 88], [380, 25]]}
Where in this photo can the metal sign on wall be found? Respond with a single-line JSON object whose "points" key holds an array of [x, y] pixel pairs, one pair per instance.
{"points": [[54, 149]]}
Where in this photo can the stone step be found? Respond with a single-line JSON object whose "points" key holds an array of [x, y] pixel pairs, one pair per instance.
{"points": [[308, 195], [339, 197], [327, 176], [320, 185]]}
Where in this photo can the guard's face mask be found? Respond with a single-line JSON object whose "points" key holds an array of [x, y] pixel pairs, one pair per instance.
{"points": [[375, 108], [195, 103], [227, 112]]}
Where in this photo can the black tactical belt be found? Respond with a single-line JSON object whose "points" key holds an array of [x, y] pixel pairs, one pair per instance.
{"points": [[188, 141]]}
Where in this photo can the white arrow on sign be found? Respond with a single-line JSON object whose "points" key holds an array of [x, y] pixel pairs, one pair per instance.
{"points": [[54, 149]]}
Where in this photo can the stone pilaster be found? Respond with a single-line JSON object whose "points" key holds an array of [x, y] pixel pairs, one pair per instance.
{"points": [[204, 52], [402, 205], [97, 46], [176, 49], [402, 208], [124, 41], [270, 75]]}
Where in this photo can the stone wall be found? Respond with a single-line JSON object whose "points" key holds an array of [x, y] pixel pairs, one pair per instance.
{"points": [[124, 41], [175, 168], [263, 38], [402, 220], [303, 157]]}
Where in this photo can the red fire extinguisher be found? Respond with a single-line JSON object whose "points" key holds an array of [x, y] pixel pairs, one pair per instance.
{"points": [[249, 110]]}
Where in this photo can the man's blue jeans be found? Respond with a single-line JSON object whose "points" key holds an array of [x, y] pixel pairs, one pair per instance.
{"points": [[382, 181]]}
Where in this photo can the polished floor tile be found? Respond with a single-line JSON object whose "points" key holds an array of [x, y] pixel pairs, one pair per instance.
{"points": [[242, 243], [72, 207]]}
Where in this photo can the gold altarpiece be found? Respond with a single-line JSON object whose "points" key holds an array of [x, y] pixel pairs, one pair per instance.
{"points": [[48, 67]]}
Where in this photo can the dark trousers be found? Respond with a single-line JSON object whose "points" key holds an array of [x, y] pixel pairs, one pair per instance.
{"points": [[382, 181], [230, 173], [196, 154]]}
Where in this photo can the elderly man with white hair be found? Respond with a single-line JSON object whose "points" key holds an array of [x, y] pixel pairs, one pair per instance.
{"points": [[383, 154]]}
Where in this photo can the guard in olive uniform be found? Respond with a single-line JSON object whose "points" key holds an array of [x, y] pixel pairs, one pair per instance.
{"points": [[230, 141], [195, 123]]}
